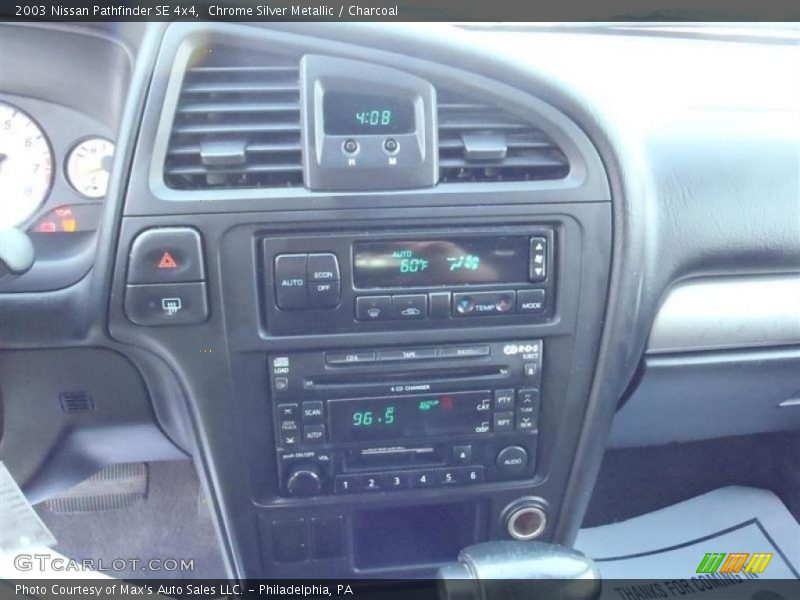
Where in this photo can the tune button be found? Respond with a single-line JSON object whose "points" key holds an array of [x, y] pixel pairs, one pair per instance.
{"points": [[512, 459]]}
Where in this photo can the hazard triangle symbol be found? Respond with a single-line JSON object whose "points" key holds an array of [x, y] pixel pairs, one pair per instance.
{"points": [[167, 262]]}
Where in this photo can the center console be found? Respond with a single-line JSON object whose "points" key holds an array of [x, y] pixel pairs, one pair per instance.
{"points": [[383, 301]]}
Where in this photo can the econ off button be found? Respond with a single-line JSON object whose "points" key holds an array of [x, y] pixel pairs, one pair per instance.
{"points": [[512, 460]]}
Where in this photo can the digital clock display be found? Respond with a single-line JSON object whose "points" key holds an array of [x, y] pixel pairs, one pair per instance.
{"points": [[427, 263], [366, 419], [359, 114]]}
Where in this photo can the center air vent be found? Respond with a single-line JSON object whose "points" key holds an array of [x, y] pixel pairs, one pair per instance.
{"points": [[481, 142], [237, 124]]}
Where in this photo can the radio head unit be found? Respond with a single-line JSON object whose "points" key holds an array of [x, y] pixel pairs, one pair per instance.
{"points": [[381, 418]]}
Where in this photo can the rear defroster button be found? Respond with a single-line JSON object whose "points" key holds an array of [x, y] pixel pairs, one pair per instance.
{"points": [[512, 459]]}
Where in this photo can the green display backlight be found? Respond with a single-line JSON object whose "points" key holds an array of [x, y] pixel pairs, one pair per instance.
{"points": [[428, 404], [367, 418], [469, 262], [374, 117]]}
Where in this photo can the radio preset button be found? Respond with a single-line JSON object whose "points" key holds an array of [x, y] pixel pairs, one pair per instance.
{"points": [[410, 306], [313, 412], [503, 399], [538, 259], [463, 351], [371, 483], [373, 308], [323, 267], [314, 434], [423, 478], [503, 422], [408, 354], [470, 475], [447, 476], [395, 481], [350, 358], [346, 484], [324, 294], [462, 454], [290, 281]]}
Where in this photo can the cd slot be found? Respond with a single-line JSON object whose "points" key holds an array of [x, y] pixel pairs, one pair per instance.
{"points": [[362, 379], [367, 459]]}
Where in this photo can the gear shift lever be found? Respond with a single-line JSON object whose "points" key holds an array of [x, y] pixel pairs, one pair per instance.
{"points": [[512, 570]]}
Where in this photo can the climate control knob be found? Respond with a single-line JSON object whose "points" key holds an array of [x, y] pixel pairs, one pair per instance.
{"points": [[305, 479]]}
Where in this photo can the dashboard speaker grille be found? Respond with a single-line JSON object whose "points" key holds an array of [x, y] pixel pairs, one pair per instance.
{"points": [[237, 123], [482, 142]]}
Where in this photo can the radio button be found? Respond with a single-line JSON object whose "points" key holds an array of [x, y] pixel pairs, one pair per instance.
{"points": [[408, 354], [471, 475], [314, 434], [371, 483], [503, 399], [347, 484], [350, 358], [324, 294], [512, 459], [395, 481], [531, 302], [464, 351], [323, 267], [290, 281], [423, 479], [373, 308], [503, 422], [462, 454], [410, 306], [313, 412], [448, 476]]}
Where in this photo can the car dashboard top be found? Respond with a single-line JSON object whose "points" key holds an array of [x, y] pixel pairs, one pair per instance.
{"points": [[380, 282]]}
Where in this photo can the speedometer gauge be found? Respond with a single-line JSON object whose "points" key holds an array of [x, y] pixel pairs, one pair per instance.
{"points": [[26, 166], [89, 166]]}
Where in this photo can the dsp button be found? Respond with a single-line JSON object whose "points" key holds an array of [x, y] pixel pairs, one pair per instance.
{"points": [[166, 255], [290, 281]]}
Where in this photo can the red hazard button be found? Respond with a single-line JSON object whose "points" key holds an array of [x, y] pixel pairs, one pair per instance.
{"points": [[167, 262], [166, 255]]}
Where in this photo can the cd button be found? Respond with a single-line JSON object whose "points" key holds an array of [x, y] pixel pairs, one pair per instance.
{"points": [[373, 308], [349, 358]]}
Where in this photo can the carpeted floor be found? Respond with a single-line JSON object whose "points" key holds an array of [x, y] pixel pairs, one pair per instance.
{"points": [[171, 524]]}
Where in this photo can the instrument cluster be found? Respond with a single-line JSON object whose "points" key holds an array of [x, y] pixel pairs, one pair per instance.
{"points": [[30, 167]]}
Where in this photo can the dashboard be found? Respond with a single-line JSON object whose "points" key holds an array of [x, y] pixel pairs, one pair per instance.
{"points": [[384, 283]]}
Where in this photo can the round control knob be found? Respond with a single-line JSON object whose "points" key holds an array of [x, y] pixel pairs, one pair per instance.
{"points": [[512, 459], [526, 522], [304, 480]]}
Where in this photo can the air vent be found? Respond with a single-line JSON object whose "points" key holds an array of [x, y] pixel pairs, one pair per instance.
{"points": [[79, 401], [481, 142], [237, 123]]}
